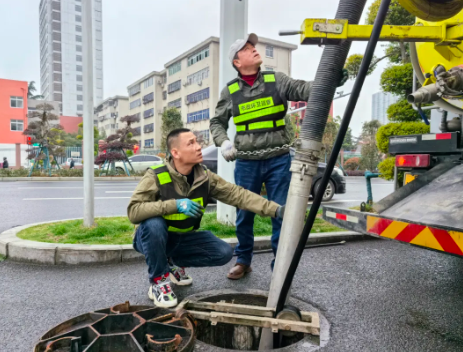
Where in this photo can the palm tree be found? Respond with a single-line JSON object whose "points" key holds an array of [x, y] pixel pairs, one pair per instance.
{"points": [[31, 90]]}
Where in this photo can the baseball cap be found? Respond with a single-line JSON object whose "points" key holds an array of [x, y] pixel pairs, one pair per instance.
{"points": [[240, 43]]}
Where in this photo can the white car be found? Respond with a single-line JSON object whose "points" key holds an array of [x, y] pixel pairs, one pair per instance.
{"points": [[140, 163], [77, 164]]}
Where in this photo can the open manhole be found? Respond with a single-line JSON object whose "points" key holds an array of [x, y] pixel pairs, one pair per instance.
{"points": [[229, 337], [122, 328]]}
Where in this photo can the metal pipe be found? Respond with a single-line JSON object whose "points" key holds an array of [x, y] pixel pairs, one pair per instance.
{"points": [[382, 12], [305, 164], [368, 176]]}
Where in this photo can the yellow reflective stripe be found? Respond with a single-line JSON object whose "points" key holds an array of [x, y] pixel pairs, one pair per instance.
{"points": [[240, 128], [174, 229], [260, 125], [164, 178], [234, 88], [157, 166], [256, 105], [177, 216], [280, 123], [259, 113], [269, 78]]}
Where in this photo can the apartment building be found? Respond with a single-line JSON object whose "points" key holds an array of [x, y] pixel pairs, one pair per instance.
{"points": [[61, 63], [380, 102], [109, 112], [190, 82]]}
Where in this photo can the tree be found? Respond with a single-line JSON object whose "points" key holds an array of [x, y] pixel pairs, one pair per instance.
{"points": [[353, 65], [31, 90], [329, 136], [348, 143], [402, 111], [352, 163], [370, 153], [398, 79], [71, 140], [171, 120], [96, 137], [43, 131]]}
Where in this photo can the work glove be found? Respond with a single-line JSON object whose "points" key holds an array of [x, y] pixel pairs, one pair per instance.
{"points": [[344, 77], [280, 212], [189, 208], [228, 150]]}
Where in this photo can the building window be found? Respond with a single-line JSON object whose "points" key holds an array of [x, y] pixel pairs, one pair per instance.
{"points": [[79, 78], [78, 18], [78, 28], [79, 48], [136, 131], [198, 76], [175, 68], [174, 86], [268, 68], [16, 102], [148, 128], [78, 68], [269, 51], [177, 103], [198, 116], [16, 125], [134, 90], [149, 82], [198, 96], [164, 95], [80, 98], [201, 55], [148, 98], [135, 104], [149, 143], [79, 58], [80, 107], [148, 113], [78, 8], [78, 38]]}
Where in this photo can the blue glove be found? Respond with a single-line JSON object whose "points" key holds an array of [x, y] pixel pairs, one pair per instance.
{"points": [[189, 208]]}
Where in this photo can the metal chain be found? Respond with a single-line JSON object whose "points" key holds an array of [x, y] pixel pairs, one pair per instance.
{"points": [[265, 151]]}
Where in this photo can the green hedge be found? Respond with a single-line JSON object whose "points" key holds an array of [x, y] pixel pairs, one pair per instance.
{"points": [[386, 168], [398, 129]]}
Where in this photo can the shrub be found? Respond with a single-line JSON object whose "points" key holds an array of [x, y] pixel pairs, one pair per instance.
{"points": [[398, 129], [386, 168], [355, 173], [352, 163]]}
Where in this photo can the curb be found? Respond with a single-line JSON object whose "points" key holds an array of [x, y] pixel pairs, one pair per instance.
{"points": [[29, 179], [19, 250]]}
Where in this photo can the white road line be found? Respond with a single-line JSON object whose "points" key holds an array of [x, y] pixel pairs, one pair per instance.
{"points": [[74, 198], [118, 192]]}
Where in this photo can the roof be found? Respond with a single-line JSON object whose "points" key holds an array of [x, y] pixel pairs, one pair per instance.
{"points": [[154, 73], [113, 98], [212, 39]]}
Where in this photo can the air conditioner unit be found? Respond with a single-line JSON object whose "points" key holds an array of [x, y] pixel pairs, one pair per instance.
{"points": [[185, 83], [200, 83]]}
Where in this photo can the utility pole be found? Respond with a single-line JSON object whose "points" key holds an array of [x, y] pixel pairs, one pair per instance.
{"points": [[233, 26], [89, 197]]}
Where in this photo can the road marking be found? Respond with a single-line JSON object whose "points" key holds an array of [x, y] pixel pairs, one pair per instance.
{"points": [[118, 192], [74, 198]]}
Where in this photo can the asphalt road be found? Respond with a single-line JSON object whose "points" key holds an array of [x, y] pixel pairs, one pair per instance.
{"points": [[28, 202]]}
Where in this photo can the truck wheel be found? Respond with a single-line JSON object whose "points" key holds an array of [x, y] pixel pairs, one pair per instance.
{"points": [[329, 192]]}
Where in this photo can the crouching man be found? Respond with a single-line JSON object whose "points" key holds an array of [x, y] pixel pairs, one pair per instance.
{"points": [[168, 205]]}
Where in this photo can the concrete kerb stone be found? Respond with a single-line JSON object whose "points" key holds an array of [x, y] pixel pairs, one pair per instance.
{"points": [[17, 249]]}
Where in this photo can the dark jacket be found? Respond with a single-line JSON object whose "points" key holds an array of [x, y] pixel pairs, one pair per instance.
{"points": [[5, 164]]}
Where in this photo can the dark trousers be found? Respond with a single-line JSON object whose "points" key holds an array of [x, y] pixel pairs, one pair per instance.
{"points": [[251, 174], [191, 249]]}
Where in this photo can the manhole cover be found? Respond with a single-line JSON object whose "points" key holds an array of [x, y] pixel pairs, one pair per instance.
{"points": [[122, 328]]}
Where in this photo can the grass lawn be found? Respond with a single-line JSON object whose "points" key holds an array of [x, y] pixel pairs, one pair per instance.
{"points": [[2, 258], [119, 230]]}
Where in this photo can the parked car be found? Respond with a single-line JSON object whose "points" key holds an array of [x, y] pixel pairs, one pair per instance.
{"points": [[336, 185], [140, 163]]}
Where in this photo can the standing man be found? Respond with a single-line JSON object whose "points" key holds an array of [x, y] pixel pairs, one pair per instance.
{"points": [[5, 163], [258, 101], [169, 203], [71, 165]]}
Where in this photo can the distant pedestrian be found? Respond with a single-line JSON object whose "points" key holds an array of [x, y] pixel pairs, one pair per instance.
{"points": [[5, 163], [71, 166]]}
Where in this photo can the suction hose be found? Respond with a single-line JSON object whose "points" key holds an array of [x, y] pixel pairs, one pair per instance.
{"points": [[314, 129]]}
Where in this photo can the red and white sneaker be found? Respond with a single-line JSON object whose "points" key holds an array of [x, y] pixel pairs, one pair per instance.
{"points": [[179, 277], [162, 295]]}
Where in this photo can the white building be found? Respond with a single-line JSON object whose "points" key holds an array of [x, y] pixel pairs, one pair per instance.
{"points": [[61, 65], [190, 82], [380, 102], [109, 112]]}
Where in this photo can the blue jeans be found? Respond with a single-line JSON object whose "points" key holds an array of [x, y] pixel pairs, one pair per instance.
{"points": [[251, 174], [191, 249]]}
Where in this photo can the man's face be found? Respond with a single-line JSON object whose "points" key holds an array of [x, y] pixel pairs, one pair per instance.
{"points": [[248, 58], [186, 149]]}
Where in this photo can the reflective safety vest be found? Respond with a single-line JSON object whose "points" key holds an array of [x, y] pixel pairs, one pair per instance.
{"points": [[180, 222], [262, 113]]}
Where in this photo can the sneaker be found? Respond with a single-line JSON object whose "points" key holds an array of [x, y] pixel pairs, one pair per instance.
{"points": [[162, 294], [179, 277]]}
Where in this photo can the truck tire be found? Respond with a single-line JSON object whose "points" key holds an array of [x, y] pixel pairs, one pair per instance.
{"points": [[329, 192]]}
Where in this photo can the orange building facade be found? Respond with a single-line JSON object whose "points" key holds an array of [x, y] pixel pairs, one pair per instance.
{"points": [[13, 111]]}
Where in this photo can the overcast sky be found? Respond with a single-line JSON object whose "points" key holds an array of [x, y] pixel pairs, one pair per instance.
{"points": [[139, 36]]}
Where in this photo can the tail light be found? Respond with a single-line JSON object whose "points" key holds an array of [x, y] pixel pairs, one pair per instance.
{"points": [[413, 160]]}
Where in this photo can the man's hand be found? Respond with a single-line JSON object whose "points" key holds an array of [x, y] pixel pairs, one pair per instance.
{"points": [[280, 212], [228, 150], [189, 208], [344, 77]]}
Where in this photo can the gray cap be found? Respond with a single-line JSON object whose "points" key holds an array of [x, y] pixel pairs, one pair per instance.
{"points": [[240, 43]]}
